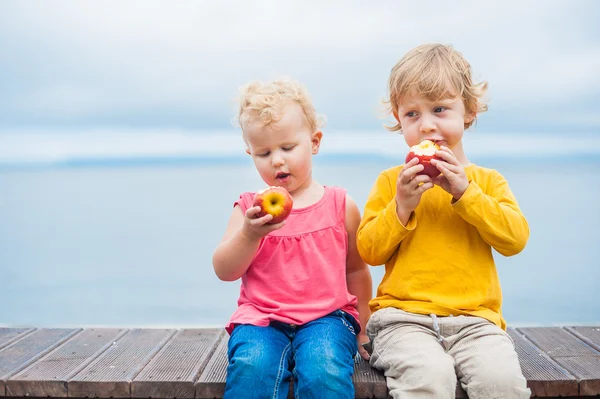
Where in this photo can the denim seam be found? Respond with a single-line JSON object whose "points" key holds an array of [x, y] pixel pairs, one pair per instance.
{"points": [[280, 371]]}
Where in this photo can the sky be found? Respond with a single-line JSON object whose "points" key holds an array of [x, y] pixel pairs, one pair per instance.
{"points": [[80, 65]]}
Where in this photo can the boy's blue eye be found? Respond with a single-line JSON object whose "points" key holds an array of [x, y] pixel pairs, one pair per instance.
{"points": [[439, 109], [411, 114]]}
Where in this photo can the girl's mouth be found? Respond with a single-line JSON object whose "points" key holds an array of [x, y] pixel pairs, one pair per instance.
{"points": [[282, 176]]}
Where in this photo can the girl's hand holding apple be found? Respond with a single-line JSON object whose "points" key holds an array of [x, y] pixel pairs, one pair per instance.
{"points": [[256, 227], [271, 208]]}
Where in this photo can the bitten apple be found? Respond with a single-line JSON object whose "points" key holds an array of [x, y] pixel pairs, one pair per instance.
{"points": [[275, 201], [425, 152]]}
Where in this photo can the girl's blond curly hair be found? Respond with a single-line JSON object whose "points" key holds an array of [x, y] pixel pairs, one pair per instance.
{"points": [[435, 71], [266, 101]]}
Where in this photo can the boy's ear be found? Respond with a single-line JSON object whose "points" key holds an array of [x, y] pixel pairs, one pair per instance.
{"points": [[469, 117], [316, 141], [395, 112]]}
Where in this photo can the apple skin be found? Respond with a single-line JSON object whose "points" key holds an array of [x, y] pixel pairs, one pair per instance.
{"points": [[276, 201], [424, 152]]}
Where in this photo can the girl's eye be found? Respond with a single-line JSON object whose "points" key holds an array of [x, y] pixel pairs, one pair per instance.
{"points": [[288, 148], [439, 109], [264, 154]]}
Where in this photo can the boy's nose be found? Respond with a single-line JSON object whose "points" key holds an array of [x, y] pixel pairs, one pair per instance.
{"points": [[427, 125]]}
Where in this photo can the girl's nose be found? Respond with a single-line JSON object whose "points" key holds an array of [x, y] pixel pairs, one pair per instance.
{"points": [[277, 159]]}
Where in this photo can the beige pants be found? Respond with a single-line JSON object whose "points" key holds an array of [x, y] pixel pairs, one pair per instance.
{"points": [[422, 356]]}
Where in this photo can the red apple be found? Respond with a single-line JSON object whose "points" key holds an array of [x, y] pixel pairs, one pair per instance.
{"points": [[425, 152], [275, 201]]}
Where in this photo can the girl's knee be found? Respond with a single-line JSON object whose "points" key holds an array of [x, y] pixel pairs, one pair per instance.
{"points": [[327, 375], [249, 367]]}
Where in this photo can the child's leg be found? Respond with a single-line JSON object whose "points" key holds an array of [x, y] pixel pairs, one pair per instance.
{"points": [[259, 363], [486, 361], [324, 351], [408, 351]]}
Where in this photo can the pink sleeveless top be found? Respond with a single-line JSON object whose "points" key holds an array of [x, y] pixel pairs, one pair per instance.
{"points": [[299, 271]]}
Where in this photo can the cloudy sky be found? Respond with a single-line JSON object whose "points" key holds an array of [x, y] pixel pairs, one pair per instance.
{"points": [[178, 64]]}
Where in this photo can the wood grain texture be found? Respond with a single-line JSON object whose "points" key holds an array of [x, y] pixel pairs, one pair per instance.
{"points": [[23, 352], [48, 376], [174, 370], [110, 374]]}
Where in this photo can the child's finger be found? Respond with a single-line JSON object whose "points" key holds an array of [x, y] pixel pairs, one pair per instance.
{"points": [[425, 186], [262, 220], [412, 162], [447, 168], [409, 174], [447, 156], [363, 353], [251, 212], [420, 179], [277, 226]]}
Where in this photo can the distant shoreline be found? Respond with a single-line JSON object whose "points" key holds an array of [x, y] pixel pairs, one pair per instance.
{"points": [[204, 160]]}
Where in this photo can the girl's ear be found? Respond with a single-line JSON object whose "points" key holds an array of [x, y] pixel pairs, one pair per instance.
{"points": [[247, 150], [316, 141]]}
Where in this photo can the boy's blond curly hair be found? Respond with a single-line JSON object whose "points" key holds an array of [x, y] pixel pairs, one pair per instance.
{"points": [[435, 71], [266, 101]]}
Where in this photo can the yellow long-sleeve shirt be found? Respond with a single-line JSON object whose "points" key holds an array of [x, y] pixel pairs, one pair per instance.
{"points": [[441, 261]]}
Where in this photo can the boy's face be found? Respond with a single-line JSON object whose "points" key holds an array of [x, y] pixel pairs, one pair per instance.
{"points": [[440, 121], [282, 151]]}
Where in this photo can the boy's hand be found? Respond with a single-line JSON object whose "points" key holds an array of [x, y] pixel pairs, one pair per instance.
{"points": [[409, 189], [256, 228], [453, 178], [362, 339]]}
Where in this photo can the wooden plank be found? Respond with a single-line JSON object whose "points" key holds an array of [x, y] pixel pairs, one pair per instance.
{"points": [[211, 383], [589, 335], [368, 382], [48, 376], [110, 374], [544, 377], [174, 370], [20, 354], [573, 354], [10, 335]]}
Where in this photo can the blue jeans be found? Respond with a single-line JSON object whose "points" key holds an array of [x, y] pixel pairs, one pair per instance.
{"points": [[318, 355]]}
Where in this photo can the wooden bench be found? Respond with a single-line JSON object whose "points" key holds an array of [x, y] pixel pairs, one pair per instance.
{"points": [[191, 363]]}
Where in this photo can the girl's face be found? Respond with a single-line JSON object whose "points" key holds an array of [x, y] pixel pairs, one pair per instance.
{"points": [[282, 151]]}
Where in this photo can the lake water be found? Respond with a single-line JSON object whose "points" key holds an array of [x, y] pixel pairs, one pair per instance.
{"points": [[131, 244]]}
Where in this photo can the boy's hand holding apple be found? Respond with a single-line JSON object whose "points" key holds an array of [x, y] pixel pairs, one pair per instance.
{"points": [[410, 186], [453, 178]]}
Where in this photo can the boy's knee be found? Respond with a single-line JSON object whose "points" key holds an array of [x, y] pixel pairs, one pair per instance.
{"points": [[432, 379], [440, 377], [498, 384]]}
